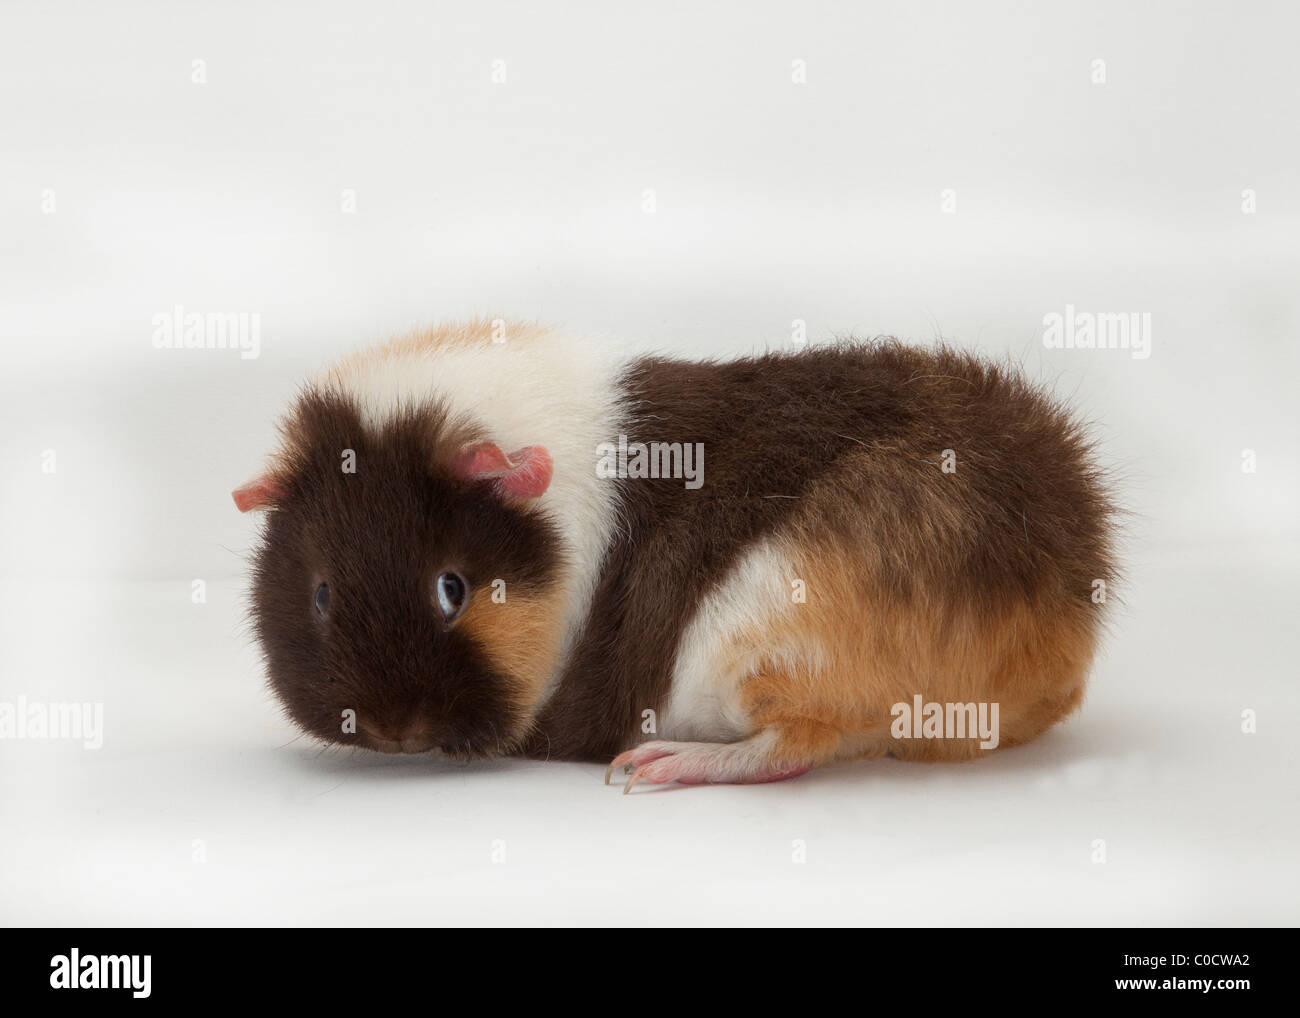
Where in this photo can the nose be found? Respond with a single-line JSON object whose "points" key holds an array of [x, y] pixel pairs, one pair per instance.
{"points": [[412, 737]]}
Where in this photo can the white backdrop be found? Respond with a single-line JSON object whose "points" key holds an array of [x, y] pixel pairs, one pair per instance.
{"points": [[670, 178]]}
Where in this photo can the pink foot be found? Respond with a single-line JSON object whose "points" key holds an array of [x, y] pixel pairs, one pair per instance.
{"points": [[704, 763]]}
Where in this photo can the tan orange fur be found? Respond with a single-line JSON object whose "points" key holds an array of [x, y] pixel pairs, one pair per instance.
{"points": [[466, 335], [848, 656], [520, 635], [880, 625]]}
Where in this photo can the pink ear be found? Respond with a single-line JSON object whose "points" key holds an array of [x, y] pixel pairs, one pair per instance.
{"points": [[257, 493], [525, 473]]}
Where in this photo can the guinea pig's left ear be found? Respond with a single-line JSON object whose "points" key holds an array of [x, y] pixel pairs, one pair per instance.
{"points": [[525, 473], [259, 493]]}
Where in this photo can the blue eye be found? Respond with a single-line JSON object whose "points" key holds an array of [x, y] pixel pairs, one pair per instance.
{"points": [[450, 589], [322, 600]]}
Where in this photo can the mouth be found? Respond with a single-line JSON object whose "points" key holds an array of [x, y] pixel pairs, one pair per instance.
{"points": [[410, 746], [413, 740], [419, 739]]}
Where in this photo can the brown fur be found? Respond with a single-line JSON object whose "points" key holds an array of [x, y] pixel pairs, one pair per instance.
{"points": [[965, 586]]}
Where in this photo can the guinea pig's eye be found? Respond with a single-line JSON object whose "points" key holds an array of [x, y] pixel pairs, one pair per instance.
{"points": [[450, 589], [322, 600]]}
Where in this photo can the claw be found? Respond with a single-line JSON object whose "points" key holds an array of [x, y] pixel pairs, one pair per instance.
{"points": [[622, 760], [627, 769], [636, 776]]}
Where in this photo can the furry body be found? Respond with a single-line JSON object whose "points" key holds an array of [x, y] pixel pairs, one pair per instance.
{"points": [[874, 523]]}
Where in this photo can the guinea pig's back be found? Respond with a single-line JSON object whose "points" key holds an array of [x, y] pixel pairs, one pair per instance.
{"points": [[984, 485]]}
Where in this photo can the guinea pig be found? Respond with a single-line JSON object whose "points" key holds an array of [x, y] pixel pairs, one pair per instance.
{"points": [[494, 539]]}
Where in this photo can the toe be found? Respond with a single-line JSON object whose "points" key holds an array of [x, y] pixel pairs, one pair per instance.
{"points": [[639, 756]]}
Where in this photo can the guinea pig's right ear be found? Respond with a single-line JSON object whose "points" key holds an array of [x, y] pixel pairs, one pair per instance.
{"points": [[525, 473], [259, 493]]}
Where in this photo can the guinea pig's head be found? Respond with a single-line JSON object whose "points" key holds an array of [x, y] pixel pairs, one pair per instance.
{"points": [[407, 593]]}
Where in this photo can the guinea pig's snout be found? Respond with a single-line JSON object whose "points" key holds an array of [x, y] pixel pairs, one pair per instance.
{"points": [[412, 737]]}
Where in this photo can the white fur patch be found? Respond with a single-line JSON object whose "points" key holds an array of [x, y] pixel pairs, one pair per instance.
{"points": [[713, 659]]}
